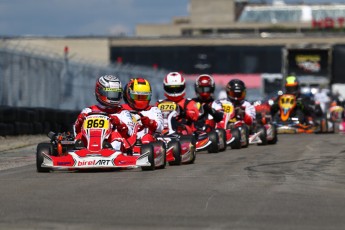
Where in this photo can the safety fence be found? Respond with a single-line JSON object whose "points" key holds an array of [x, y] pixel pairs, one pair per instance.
{"points": [[39, 93]]}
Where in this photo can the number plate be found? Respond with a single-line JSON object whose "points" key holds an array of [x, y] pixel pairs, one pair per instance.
{"points": [[228, 108], [167, 106], [97, 123]]}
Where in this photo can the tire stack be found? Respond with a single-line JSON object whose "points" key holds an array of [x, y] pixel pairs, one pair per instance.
{"points": [[31, 121]]}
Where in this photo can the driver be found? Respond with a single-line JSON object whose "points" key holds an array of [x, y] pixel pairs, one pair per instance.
{"points": [[137, 96], [108, 92], [292, 87], [236, 94], [212, 109], [175, 90]]}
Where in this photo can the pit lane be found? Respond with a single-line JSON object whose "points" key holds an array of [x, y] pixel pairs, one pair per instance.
{"points": [[299, 183]]}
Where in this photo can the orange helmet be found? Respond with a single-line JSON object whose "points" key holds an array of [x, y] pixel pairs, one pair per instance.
{"points": [[174, 86], [138, 93]]}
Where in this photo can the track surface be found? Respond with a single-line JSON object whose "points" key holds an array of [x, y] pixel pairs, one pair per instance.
{"points": [[297, 184]]}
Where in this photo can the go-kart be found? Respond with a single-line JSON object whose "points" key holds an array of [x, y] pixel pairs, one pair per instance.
{"points": [[264, 131], [179, 148], [237, 133], [288, 123], [95, 152], [216, 135]]}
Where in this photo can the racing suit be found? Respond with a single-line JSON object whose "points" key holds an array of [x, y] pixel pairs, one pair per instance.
{"points": [[151, 119], [121, 120], [244, 110], [211, 113], [189, 114]]}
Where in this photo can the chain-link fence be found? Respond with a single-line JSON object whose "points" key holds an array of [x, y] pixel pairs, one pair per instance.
{"points": [[29, 79]]}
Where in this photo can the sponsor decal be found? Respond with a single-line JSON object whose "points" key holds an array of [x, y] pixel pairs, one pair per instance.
{"points": [[95, 163], [309, 63]]}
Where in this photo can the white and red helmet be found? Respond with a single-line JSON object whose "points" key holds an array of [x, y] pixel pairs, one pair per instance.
{"points": [[174, 86], [108, 90]]}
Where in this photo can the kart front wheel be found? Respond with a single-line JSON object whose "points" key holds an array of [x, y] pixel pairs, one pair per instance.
{"points": [[148, 148], [236, 134], [213, 147], [176, 152], [275, 135], [222, 139], [42, 148], [263, 135]]}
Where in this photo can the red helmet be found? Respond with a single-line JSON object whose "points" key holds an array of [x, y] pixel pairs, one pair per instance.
{"points": [[174, 86], [204, 87], [108, 90], [138, 93]]}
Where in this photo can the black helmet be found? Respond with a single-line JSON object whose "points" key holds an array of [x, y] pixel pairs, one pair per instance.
{"points": [[292, 85], [236, 90]]}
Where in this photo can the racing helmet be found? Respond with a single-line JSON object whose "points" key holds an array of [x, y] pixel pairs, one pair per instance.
{"points": [[174, 86], [236, 90], [204, 87], [292, 85], [138, 93], [108, 90]]}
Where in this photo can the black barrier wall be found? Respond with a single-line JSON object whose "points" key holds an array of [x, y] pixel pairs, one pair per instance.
{"points": [[28, 121]]}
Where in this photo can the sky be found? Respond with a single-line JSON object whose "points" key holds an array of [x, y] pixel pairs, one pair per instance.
{"points": [[91, 17]]}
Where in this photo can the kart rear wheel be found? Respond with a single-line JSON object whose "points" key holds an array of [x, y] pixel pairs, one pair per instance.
{"points": [[222, 139], [236, 134], [275, 135], [213, 147], [263, 135], [176, 145], [42, 148], [148, 148]]}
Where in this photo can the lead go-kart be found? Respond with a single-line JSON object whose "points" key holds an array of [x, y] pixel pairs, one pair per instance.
{"points": [[95, 152]]}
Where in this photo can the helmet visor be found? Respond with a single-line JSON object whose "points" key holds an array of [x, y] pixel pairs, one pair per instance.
{"points": [[174, 88], [204, 89], [237, 94], [291, 89], [111, 93], [136, 96]]}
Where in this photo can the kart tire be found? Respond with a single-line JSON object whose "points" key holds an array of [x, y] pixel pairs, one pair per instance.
{"points": [[190, 139], [222, 138], [275, 136], [148, 148], [236, 133], [176, 152], [246, 130], [42, 147], [263, 135], [162, 145], [213, 147]]}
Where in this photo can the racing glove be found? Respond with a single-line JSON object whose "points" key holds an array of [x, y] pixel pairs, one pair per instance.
{"points": [[217, 115], [79, 122], [119, 125], [149, 123], [240, 112]]}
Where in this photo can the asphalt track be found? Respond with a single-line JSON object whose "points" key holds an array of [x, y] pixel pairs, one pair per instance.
{"points": [[299, 183]]}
